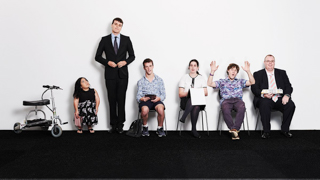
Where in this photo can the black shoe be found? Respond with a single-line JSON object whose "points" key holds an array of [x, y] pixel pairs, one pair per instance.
{"points": [[112, 130], [287, 134], [182, 120], [120, 130], [196, 135], [265, 135]]}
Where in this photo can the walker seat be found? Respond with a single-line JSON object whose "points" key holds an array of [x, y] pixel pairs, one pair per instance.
{"points": [[36, 103]]}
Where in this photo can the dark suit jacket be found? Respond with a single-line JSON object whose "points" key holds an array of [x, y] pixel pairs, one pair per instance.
{"points": [[106, 46], [261, 79]]}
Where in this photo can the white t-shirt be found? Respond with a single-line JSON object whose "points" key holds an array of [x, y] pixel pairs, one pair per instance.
{"points": [[186, 82]]}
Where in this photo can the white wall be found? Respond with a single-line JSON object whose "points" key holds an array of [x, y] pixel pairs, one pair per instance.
{"points": [[54, 42]]}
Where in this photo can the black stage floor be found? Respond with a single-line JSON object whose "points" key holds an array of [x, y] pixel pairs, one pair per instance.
{"points": [[38, 155]]}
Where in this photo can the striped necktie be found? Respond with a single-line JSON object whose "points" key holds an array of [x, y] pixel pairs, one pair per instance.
{"points": [[273, 86]]}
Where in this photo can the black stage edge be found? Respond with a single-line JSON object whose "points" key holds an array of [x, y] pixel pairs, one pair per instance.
{"points": [[38, 155]]}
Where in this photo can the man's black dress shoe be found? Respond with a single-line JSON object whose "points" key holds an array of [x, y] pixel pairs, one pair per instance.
{"points": [[287, 134], [265, 135], [120, 130], [112, 130], [197, 136]]}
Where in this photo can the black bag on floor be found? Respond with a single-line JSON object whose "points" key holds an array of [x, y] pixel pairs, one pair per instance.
{"points": [[135, 129]]}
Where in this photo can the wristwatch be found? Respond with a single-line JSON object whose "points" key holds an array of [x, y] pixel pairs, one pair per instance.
{"points": [[288, 95]]}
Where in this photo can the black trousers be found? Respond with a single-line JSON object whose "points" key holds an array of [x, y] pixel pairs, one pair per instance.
{"points": [[117, 89], [265, 106]]}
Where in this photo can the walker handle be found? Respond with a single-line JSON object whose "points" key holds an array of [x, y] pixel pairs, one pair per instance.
{"points": [[51, 87]]}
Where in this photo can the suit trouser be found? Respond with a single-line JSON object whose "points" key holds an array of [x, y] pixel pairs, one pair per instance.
{"points": [[117, 89], [265, 106]]}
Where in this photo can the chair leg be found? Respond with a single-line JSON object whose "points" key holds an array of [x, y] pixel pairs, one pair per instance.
{"points": [[178, 120], [219, 124], [207, 122], [202, 120], [165, 121], [247, 123], [258, 117], [180, 129], [257, 122]]}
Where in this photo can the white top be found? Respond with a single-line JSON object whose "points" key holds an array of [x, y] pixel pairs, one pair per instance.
{"points": [[186, 82]]}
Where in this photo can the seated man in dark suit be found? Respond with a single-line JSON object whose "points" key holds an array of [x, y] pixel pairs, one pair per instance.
{"points": [[272, 79]]}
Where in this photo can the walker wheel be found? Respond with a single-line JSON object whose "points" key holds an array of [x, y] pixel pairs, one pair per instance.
{"points": [[56, 131], [16, 128]]}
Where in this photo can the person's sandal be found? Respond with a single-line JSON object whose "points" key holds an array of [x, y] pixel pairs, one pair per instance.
{"points": [[91, 131], [79, 131]]}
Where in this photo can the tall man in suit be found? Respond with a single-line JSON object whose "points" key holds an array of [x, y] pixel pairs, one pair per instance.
{"points": [[116, 47], [273, 78]]}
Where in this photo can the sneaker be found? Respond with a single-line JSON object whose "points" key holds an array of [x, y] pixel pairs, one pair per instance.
{"points": [[160, 132], [145, 131], [236, 138], [234, 134]]}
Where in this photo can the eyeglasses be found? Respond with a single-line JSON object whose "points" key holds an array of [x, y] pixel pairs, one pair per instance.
{"points": [[269, 61]]}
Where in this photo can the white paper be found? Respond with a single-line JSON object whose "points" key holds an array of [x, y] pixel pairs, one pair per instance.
{"points": [[272, 91], [197, 96]]}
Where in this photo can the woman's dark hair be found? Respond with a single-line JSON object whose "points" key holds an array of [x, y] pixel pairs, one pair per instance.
{"points": [[194, 60], [77, 87]]}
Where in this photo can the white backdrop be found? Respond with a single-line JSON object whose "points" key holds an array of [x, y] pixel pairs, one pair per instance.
{"points": [[54, 42]]}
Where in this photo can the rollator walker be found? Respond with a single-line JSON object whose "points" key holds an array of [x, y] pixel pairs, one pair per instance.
{"points": [[56, 130]]}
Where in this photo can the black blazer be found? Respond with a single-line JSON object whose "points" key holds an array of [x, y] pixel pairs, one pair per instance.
{"points": [[106, 46], [261, 79]]}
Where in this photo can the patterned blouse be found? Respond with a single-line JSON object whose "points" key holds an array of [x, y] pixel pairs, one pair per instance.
{"points": [[230, 89], [156, 86]]}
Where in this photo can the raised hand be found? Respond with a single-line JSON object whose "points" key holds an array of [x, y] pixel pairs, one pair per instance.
{"points": [[246, 67], [213, 66]]}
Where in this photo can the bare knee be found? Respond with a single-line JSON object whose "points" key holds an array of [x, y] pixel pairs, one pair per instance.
{"points": [[144, 111], [160, 109]]}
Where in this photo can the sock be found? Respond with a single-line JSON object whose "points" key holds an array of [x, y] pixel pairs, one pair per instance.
{"points": [[145, 125], [159, 127]]}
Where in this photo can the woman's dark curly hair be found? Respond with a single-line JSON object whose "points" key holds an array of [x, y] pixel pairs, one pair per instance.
{"points": [[77, 87]]}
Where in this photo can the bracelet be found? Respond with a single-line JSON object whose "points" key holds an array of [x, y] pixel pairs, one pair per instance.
{"points": [[211, 74]]}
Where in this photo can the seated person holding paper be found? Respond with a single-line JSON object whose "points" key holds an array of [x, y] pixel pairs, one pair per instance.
{"points": [[151, 93], [271, 79], [191, 80], [231, 94]]}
